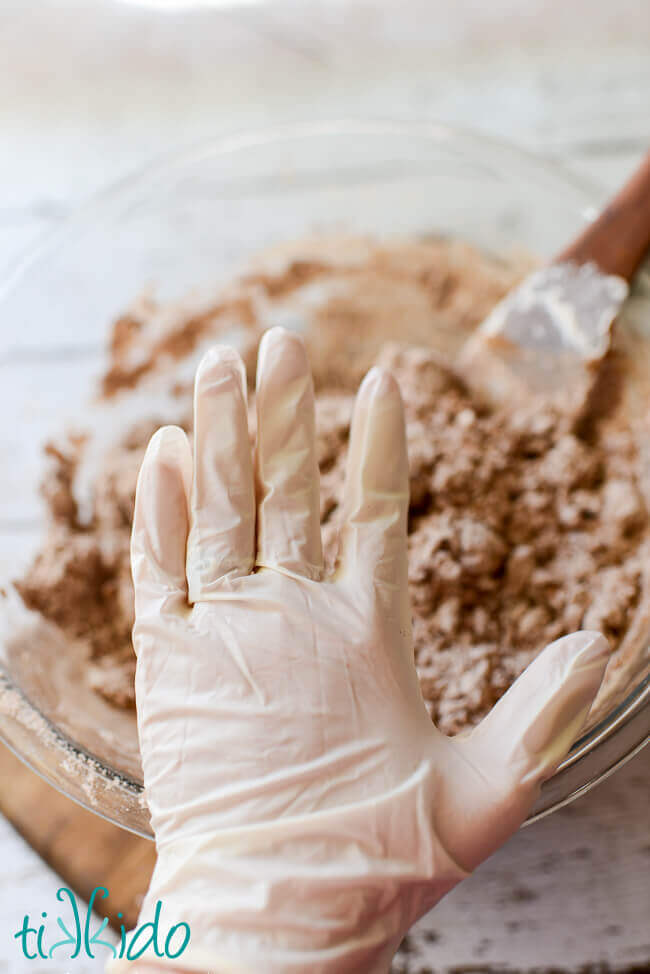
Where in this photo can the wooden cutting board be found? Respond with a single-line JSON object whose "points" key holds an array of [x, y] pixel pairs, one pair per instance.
{"points": [[82, 848]]}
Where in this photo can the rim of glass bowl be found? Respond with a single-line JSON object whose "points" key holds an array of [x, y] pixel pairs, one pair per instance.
{"points": [[77, 773]]}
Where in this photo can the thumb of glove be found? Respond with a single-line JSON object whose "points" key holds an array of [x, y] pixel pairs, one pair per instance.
{"points": [[519, 744]]}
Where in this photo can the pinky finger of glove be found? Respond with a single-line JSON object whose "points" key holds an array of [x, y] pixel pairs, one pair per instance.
{"points": [[161, 522], [520, 743]]}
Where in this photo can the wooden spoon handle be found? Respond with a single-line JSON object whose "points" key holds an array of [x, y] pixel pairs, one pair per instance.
{"points": [[619, 238]]}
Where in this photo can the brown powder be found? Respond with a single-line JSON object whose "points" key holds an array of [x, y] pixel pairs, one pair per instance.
{"points": [[125, 372], [522, 527]]}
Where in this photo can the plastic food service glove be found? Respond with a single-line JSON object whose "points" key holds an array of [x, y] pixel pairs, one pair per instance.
{"points": [[306, 811]]}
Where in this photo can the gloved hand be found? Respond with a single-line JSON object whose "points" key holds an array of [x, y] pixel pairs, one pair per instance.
{"points": [[306, 811]]}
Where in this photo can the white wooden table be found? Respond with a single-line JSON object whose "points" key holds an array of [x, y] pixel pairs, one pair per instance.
{"points": [[91, 88]]}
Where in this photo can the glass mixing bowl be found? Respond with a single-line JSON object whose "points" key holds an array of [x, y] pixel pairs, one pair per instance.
{"points": [[178, 225]]}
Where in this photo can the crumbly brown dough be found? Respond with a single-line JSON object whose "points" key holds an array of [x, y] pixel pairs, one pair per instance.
{"points": [[523, 527]]}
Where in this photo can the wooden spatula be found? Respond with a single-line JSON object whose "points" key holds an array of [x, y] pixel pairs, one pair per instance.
{"points": [[549, 334]]}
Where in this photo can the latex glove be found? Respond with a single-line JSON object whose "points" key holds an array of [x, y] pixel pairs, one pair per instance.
{"points": [[306, 811]]}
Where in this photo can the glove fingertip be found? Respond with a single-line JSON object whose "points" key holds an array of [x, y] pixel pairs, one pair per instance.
{"points": [[219, 363]]}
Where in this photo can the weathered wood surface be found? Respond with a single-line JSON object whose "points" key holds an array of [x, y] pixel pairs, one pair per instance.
{"points": [[83, 850]]}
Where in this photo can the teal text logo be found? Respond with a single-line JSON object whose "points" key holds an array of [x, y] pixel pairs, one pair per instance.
{"points": [[35, 938]]}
